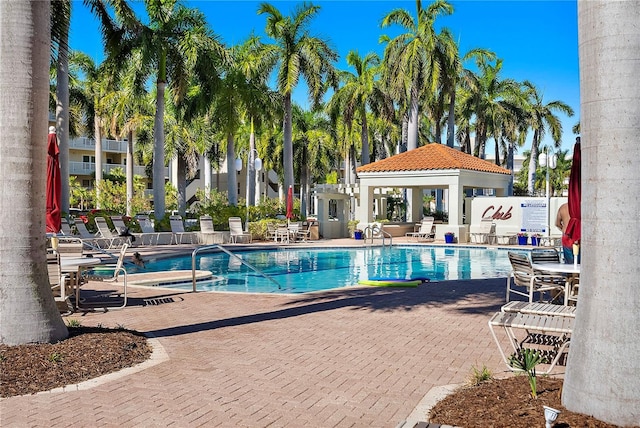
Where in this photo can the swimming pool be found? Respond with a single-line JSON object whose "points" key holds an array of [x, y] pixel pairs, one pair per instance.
{"points": [[302, 270]]}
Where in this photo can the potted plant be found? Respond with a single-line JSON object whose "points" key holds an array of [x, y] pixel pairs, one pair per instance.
{"points": [[535, 239], [523, 238], [449, 237]]}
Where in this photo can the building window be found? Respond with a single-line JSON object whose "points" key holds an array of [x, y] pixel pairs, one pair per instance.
{"points": [[88, 159], [86, 183], [109, 161]]}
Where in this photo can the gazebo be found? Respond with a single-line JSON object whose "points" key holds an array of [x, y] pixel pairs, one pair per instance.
{"points": [[434, 166]]}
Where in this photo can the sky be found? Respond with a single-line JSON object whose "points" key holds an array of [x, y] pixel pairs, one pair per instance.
{"points": [[537, 40]]}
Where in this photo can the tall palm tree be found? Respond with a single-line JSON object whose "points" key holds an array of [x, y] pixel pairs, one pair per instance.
{"points": [[411, 59], [604, 339], [541, 118], [296, 53], [315, 151], [98, 84], [28, 313], [176, 45], [362, 92]]}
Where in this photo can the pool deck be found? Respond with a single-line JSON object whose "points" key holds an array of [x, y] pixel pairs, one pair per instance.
{"points": [[352, 357]]}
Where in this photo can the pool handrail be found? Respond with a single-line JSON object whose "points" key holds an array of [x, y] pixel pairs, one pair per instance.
{"points": [[221, 248], [372, 231]]}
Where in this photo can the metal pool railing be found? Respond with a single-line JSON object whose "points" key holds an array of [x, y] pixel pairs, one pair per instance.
{"points": [[221, 248]]}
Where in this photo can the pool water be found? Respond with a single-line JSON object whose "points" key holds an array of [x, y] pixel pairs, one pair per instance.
{"points": [[304, 270]]}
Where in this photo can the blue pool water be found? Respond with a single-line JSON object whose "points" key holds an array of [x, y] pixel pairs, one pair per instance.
{"points": [[306, 269]]}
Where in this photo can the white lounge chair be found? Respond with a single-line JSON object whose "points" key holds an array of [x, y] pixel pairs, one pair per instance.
{"points": [[208, 235], [177, 228], [113, 239], [236, 232], [486, 233], [425, 231]]}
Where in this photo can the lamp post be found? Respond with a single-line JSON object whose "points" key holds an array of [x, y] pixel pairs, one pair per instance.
{"points": [[549, 161], [254, 163]]}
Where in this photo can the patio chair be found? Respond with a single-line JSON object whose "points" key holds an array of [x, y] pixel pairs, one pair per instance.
{"points": [[113, 239], [425, 232], [60, 285], [90, 240], [207, 234], [65, 227], [548, 255], [178, 231], [149, 236], [296, 232], [486, 232], [114, 273], [236, 232], [526, 281]]}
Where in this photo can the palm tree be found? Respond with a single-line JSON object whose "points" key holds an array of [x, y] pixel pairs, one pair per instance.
{"points": [[314, 149], [28, 313], [98, 84], [361, 90], [604, 337], [176, 45], [296, 54], [411, 59], [540, 118]]}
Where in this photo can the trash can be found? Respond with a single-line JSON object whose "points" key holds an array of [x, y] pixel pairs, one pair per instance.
{"points": [[314, 232]]}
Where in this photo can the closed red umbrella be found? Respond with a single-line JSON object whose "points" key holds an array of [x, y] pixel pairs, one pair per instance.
{"points": [[54, 184], [574, 226], [290, 203]]}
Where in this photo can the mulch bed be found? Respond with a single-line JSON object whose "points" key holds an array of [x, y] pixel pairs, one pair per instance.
{"points": [[87, 353]]}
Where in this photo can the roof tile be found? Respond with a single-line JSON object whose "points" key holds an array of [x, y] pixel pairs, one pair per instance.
{"points": [[431, 157]]}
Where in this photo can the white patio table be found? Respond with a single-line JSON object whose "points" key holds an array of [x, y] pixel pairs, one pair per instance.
{"points": [[74, 267]]}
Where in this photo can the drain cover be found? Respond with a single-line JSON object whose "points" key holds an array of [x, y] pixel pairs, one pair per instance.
{"points": [[158, 301]]}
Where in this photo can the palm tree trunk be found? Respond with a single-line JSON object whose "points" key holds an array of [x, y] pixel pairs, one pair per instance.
{"points": [[182, 184], [287, 153], [28, 313], [129, 172], [602, 370], [365, 140], [451, 121], [251, 169], [533, 163], [232, 177], [62, 120], [413, 125], [158, 153], [97, 131]]}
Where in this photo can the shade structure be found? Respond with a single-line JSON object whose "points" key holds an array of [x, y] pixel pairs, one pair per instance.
{"points": [[290, 203], [54, 185], [575, 195]]}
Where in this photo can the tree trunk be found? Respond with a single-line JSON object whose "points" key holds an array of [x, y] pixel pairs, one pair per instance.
{"points": [[533, 164], [251, 169], [413, 125], [602, 370], [181, 185], [28, 312], [62, 118], [451, 121], [129, 172], [97, 132], [287, 153], [232, 175], [158, 153], [365, 140]]}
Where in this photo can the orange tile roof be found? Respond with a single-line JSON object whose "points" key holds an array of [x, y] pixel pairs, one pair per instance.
{"points": [[431, 157]]}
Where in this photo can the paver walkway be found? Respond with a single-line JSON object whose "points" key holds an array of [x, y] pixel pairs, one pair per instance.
{"points": [[354, 357]]}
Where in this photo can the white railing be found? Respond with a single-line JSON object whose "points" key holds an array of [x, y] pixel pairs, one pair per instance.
{"points": [[88, 168], [86, 143]]}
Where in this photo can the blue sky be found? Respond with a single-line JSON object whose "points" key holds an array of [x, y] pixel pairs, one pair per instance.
{"points": [[537, 40]]}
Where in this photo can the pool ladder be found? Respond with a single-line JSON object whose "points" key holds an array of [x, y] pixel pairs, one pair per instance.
{"points": [[224, 250], [374, 232]]}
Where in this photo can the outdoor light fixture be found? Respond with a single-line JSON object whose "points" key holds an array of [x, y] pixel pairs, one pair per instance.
{"points": [[550, 415], [254, 163], [549, 161]]}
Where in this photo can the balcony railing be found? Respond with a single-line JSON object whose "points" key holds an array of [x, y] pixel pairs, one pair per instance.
{"points": [[88, 168], [86, 143]]}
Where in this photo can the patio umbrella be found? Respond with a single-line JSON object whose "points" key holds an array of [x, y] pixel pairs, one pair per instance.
{"points": [[290, 203], [54, 185], [574, 226]]}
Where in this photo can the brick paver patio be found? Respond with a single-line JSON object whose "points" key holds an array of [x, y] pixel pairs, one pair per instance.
{"points": [[354, 357]]}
